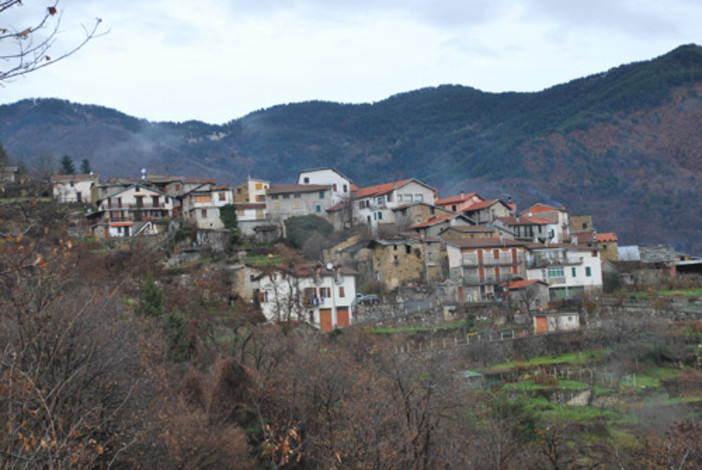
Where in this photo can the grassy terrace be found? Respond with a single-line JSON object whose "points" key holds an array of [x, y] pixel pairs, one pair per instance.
{"points": [[581, 358]]}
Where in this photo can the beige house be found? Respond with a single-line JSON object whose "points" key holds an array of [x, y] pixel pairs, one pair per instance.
{"points": [[251, 191], [558, 215], [80, 189], [297, 200], [201, 207]]}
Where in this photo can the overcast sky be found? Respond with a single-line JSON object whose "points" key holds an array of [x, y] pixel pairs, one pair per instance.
{"points": [[218, 60]]}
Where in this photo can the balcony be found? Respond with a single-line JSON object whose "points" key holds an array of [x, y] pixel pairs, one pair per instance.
{"points": [[559, 261], [505, 259], [488, 280], [146, 206]]}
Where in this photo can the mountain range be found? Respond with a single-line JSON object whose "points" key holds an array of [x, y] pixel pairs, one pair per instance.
{"points": [[624, 145]]}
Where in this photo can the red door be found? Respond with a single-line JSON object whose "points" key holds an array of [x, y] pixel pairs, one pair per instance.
{"points": [[325, 319], [342, 317], [541, 325]]}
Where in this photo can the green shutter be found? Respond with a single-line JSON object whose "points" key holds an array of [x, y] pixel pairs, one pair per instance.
{"points": [[588, 271]]}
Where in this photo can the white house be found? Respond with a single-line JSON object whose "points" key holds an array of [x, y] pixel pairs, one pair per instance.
{"points": [[374, 205], [132, 211], [201, 206], [340, 185], [322, 296], [552, 322], [558, 215], [569, 270], [74, 188]]}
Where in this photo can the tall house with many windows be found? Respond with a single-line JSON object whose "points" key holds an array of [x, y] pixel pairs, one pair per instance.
{"points": [[482, 264]]}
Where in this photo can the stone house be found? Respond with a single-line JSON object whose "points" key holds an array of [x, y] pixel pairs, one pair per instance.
{"points": [[487, 212], [483, 264], [527, 295], [405, 260], [580, 223], [467, 232], [608, 244], [414, 213], [434, 226], [297, 200]]}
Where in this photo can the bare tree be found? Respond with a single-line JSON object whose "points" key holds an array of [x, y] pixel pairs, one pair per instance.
{"points": [[30, 47]]}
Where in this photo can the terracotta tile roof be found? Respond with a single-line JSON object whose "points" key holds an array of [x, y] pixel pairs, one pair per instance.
{"points": [[524, 220], [521, 284], [379, 190], [537, 208], [481, 205], [297, 188], [607, 237], [78, 177], [459, 198]]}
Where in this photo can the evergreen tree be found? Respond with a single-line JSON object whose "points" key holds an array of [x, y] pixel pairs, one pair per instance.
{"points": [[4, 158], [85, 166], [152, 303], [67, 167], [227, 215]]}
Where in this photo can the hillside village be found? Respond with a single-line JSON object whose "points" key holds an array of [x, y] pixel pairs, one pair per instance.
{"points": [[397, 241]]}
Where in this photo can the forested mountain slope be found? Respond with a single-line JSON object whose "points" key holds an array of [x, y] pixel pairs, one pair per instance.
{"points": [[624, 145]]}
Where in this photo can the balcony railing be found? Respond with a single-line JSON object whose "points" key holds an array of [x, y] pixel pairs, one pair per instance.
{"points": [[546, 262], [487, 280], [489, 260]]}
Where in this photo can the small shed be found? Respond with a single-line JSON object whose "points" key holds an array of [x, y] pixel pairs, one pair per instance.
{"points": [[552, 322]]}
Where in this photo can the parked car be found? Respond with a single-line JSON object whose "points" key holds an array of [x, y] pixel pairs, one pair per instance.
{"points": [[369, 299]]}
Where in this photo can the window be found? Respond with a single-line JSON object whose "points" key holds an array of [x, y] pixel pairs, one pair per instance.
{"points": [[584, 225], [274, 196], [222, 196], [342, 293], [260, 198], [346, 189], [496, 254], [259, 186], [286, 196], [419, 197], [399, 198], [306, 180], [380, 216], [334, 186], [408, 249], [588, 271], [201, 198], [556, 272], [177, 187], [379, 201], [321, 194], [319, 208], [432, 211], [408, 198], [573, 272], [204, 212], [297, 195], [238, 190]]}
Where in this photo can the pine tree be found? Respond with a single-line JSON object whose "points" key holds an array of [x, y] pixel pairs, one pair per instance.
{"points": [[85, 166], [67, 167]]}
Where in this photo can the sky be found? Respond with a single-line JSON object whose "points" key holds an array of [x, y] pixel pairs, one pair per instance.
{"points": [[218, 60]]}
